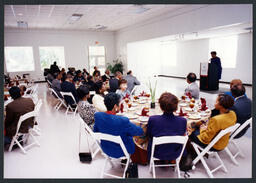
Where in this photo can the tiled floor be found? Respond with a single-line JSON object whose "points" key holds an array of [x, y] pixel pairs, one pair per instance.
{"points": [[57, 157]]}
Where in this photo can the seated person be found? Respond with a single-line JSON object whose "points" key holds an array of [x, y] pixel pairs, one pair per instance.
{"points": [[233, 83], [122, 91], [96, 77], [225, 119], [166, 124], [242, 107], [192, 86], [90, 83], [78, 77], [56, 84], [85, 73], [95, 71], [18, 107], [113, 83], [50, 77], [111, 124], [106, 76], [131, 81], [98, 98], [22, 89], [85, 109], [68, 86]]}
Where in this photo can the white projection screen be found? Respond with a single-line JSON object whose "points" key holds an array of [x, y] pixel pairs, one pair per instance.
{"points": [[19, 59]]}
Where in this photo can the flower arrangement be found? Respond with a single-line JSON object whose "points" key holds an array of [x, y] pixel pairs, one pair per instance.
{"points": [[152, 91]]}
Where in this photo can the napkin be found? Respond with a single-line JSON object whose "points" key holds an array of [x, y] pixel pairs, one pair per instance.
{"points": [[142, 94], [122, 108], [126, 96], [181, 113], [144, 112]]}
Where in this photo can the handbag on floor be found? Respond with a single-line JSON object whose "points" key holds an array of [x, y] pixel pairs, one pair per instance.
{"points": [[132, 171], [85, 157]]}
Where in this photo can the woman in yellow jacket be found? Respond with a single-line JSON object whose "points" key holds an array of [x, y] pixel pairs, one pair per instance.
{"points": [[225, 119]]}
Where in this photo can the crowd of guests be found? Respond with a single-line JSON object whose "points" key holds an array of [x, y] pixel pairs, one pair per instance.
{"points": [[100, 113]]}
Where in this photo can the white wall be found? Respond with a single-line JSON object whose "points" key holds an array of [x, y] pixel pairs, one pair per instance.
{"points": [[195, 19], [75, 45]]}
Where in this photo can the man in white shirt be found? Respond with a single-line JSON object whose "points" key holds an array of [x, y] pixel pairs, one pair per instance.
{"points": [[192, 86]]}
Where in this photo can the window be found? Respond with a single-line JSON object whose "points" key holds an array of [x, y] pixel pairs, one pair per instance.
{"points": [[168, 54], [19, 59], [97, 58], [226, 48], [48, 55]]}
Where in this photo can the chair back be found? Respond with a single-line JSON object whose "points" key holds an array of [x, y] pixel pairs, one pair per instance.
{"points": [[240, 128], [38, 105], [169, 140], [69, 94], [111, 138], [23, 118], [220, 135], [54, 93]]}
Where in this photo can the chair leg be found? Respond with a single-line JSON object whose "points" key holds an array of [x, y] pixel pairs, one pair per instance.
{"points": [[20, 146], [103, 169], [33, 137], [238, 149], [126, 166], [231, 156], [11, 145], [178, 169], [154, 169], [222, 164]]}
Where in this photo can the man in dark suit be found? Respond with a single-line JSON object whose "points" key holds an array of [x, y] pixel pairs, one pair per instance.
{"points": [[18, 107], [54, 68], [216, 60], [242, 107], [113, 83], [68, 86], [106, 76]]}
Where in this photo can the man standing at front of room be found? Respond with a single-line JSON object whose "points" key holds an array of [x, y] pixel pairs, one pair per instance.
{"points": [[216, 60]]}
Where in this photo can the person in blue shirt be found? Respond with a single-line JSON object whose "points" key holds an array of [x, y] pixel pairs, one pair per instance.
{"points": [[109, 123], [234, 82], [216, 60]]}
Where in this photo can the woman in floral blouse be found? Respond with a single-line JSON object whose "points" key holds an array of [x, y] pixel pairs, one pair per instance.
{"points": [[85, 109]]}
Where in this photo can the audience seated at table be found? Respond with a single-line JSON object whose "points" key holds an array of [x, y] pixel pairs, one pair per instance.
{"points": [[205, 134], [85, 73], [114, 82], [68, 86], [98, 98], [56, 84], [22, 89], [242, 107], [122, 91], [109, 123], [96, 71], [79, 77], [166, 124], [85, 109], [131, 81], [192, 86], [50, 77], [96, 77], [90, 83], [233, 83], [18, 107], [106, 76], [71, 71]]}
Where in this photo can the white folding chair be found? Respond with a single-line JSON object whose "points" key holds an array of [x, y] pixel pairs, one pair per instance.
{"points": [[60, 100], [167, 140], [49, 83], [200, 155], [114, 139], [232, 141], [68, 106], [94, 146], [36, 128], [134, 89], [29, 134]]}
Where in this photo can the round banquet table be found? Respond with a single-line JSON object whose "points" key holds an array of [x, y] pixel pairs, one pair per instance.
{"points": [[134, 114]]}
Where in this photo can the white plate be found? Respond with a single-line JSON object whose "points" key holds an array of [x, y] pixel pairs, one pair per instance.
{"points": [[187, 109], [119, 114], [142, 102], [134, 105], [203, 114], [183, 104], [131, 109], [143, 118], [194, 117], [130, 116]]}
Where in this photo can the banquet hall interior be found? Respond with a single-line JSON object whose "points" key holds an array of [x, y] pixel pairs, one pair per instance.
{"points": [[157, 51]]}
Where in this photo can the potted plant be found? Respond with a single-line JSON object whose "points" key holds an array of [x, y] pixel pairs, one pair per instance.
{"points": [[152, 94], [117, 66]]}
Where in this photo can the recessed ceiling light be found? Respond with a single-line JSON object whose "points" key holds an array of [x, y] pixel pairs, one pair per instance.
{"points": [[22, 24], [20, 14], [75, 17]]}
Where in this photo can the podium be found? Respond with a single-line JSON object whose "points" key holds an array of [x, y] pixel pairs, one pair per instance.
{"points": [[209, 76]]}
